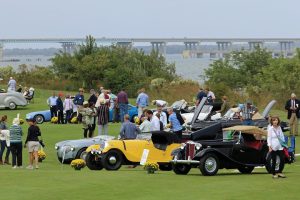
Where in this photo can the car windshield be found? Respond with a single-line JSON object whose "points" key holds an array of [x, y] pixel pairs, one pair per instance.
{"points": [[104, 137], [206, 109], [229, 114], [144, 136], [179, 104]]}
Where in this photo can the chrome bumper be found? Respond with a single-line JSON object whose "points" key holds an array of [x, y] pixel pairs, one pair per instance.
{"points": [[185, 161]]}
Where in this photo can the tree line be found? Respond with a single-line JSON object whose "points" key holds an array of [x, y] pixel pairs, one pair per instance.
{"points": [[255, 74], [114, 67]]}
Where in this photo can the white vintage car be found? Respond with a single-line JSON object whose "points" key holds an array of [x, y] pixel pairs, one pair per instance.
{"points": [[12, 100], [69, 150]]}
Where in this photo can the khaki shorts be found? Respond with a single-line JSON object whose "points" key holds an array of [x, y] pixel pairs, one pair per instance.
{"points": [[33, 146]]}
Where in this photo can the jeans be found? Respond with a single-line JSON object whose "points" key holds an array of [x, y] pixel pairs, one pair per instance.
{"points": [[103, 129], [123, 110], [16, 151], [116, 115], [68, 116], [60, 117], [53, 111], [3, 145], [86, 130]]}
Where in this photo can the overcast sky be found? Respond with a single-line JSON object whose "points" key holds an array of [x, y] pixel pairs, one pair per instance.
{"points": [[149, 18]]}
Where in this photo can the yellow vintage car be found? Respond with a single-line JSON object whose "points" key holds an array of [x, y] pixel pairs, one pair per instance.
{"points": [[114, 153]]}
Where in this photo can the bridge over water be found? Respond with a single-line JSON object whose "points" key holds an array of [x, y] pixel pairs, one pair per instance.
{"points": [[193, 46]]}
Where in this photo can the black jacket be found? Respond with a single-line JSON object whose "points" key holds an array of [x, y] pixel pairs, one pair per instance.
{"points": [[288, 106], [59, 104], [33, 133]]}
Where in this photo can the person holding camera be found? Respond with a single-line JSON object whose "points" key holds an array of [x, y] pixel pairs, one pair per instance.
{"points": [[87, 118], [33, 143]]}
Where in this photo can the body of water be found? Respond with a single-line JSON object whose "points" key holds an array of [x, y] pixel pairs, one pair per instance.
{"points": [[188, 68]]}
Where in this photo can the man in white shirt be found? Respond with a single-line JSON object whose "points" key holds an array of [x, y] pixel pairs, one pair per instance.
{"points": [[145, 127], [155, 125], [210, 95], [51, 101], [11, 84], [163, 116]]}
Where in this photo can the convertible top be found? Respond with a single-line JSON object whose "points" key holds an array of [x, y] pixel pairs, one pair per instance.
{"points": [[247, 129]]}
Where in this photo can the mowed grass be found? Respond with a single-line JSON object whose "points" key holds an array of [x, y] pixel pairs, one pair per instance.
{"points": [[56, 181]]}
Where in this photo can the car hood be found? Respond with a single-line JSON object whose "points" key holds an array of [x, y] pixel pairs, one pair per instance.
{"points": [[198, 110], [268, 108]]}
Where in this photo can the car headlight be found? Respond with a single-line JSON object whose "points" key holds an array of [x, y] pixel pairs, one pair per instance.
{"points": [[56, 147], [182, 145], [95, 151], [198, 146]]}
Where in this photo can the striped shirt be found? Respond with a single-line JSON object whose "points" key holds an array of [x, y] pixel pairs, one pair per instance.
{"points": [[15, 134], [103, 114], [248, 112]]}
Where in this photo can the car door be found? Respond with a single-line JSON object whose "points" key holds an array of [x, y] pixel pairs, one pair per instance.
{"points": [[245, 152], [2, 97]]}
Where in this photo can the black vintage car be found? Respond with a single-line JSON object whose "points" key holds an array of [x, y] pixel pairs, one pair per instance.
{"points": [[238, 147]]}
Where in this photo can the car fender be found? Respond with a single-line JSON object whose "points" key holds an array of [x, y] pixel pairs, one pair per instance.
{"points": [[200, 154], [9, 99], [94, 147], [15, 99], [175, 151]]}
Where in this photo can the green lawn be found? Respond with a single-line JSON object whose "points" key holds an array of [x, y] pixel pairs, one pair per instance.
{"points": [[56, 181]]}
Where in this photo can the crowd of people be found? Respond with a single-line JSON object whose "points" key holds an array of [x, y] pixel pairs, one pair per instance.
{"points": [[11, 141], [95, 112]]}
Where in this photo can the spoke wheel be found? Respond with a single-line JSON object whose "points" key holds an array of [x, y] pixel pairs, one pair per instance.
{"points": [[209, 164], [39, 119]]}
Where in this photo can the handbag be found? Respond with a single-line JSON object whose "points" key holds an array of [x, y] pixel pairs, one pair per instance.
{"points": [[286, 153]]}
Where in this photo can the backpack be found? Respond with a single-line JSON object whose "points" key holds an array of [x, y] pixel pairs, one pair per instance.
{"points": [[180, 119]]}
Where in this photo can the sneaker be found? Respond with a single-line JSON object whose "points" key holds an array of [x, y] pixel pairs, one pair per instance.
{"points": [[281, 175], [14, 167], [275, 176], [29, 167], [20, 167], [37, 167]]}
